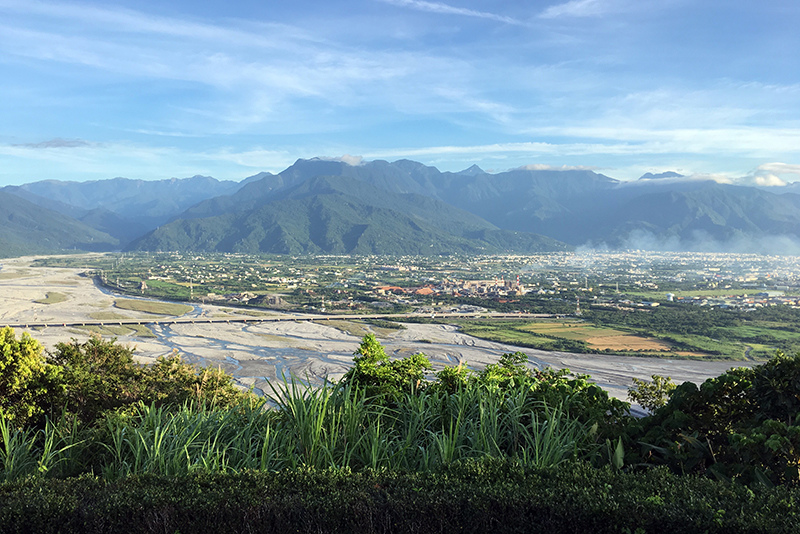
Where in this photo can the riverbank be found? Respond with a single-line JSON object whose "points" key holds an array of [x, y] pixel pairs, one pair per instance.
{"points": [[255, 353]]}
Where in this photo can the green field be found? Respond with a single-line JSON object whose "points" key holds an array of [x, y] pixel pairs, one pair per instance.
{"points": [[578, 336], [661, 296], [141, 330], [52, 298], [519, 333], [148, 306]]}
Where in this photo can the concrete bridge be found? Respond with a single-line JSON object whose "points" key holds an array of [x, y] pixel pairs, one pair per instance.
{"points": [[283, 318]]}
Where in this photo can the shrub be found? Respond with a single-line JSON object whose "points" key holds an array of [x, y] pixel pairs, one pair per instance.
{"points": [[382, 378], [476, 496], [651, 395], [100, 375], [27, 382], [742, 424]]}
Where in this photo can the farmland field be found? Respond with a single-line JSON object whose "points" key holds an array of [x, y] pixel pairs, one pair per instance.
{"points": [[147, 306], [598, 337]]}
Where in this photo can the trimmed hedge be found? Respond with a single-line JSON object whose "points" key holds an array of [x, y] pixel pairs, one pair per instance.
{"points": [[476, 496]]}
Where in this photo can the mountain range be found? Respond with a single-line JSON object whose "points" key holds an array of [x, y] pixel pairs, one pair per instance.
{"points": [[403, 207]]}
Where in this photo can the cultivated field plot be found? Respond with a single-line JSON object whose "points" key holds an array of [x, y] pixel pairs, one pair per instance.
{"points": [[148, 306], [570, 335], [598, 337]]}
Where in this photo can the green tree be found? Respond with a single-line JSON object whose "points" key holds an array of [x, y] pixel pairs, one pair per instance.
{"points": [[511, 369], [381, 377], [27, 382], [172, 381], [98, 375], [101, 375], [651, 395], [742, 424]]}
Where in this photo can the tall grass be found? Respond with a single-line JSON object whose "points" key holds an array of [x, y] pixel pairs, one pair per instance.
{"points": [[30, 452], [190, 439], [305, 426]]}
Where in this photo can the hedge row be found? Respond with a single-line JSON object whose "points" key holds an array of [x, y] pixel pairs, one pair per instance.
{"points": [[495, 497]]}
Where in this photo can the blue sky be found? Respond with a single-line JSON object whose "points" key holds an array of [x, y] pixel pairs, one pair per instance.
{"points": [[154, 90]]}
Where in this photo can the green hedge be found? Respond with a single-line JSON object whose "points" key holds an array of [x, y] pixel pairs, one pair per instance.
{"points": [[477, 496]]}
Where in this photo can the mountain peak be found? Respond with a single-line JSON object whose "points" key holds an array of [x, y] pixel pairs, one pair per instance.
{"points": [[472, 171]]}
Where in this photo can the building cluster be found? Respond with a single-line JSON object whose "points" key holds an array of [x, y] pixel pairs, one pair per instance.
{"points": [[495, 288], [757, 300], [626, 280]]}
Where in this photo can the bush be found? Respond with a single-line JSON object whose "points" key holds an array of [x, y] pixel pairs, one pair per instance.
{"points": [[100, 375], [742, 424], [651, 395], [28, 383], [384, 379], [476, 496]]}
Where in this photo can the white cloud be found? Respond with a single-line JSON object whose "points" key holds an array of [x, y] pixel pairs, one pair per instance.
{"points": [[780, 168], [752, 141], [773, 174], [768, 180], [544, 167], [766, 175], [576, 8], [249, 75], [56, 142], [352, 160], [446, 9]]}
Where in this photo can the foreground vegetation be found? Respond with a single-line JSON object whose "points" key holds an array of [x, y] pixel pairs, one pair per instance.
{"points": [[91, 442], [486, 496]]}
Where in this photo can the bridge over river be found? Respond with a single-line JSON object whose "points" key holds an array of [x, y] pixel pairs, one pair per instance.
{"points": [[285, 318]]}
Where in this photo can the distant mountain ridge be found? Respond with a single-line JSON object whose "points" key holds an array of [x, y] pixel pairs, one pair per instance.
{"points": [[122, 207], [28, 229], [405, 207], [341, 215]]}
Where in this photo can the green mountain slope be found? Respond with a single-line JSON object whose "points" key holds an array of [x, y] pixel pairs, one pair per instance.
{"points": [[123, 207], [26, 228], [324, 205], [343, 215]]}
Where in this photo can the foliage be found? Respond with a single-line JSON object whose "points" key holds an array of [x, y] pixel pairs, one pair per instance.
{"points": [[452, 379], [173, 382], [100, 375], [384, 378], [26, 452], [27, 382], [508, 371], [97, 375], [498, 496], [651, 395], [585, 400], [168, 419], [742, 424]]}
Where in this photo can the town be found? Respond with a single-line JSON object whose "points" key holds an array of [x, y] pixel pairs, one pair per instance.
{"points": [[628, 279], [686, 305]]}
